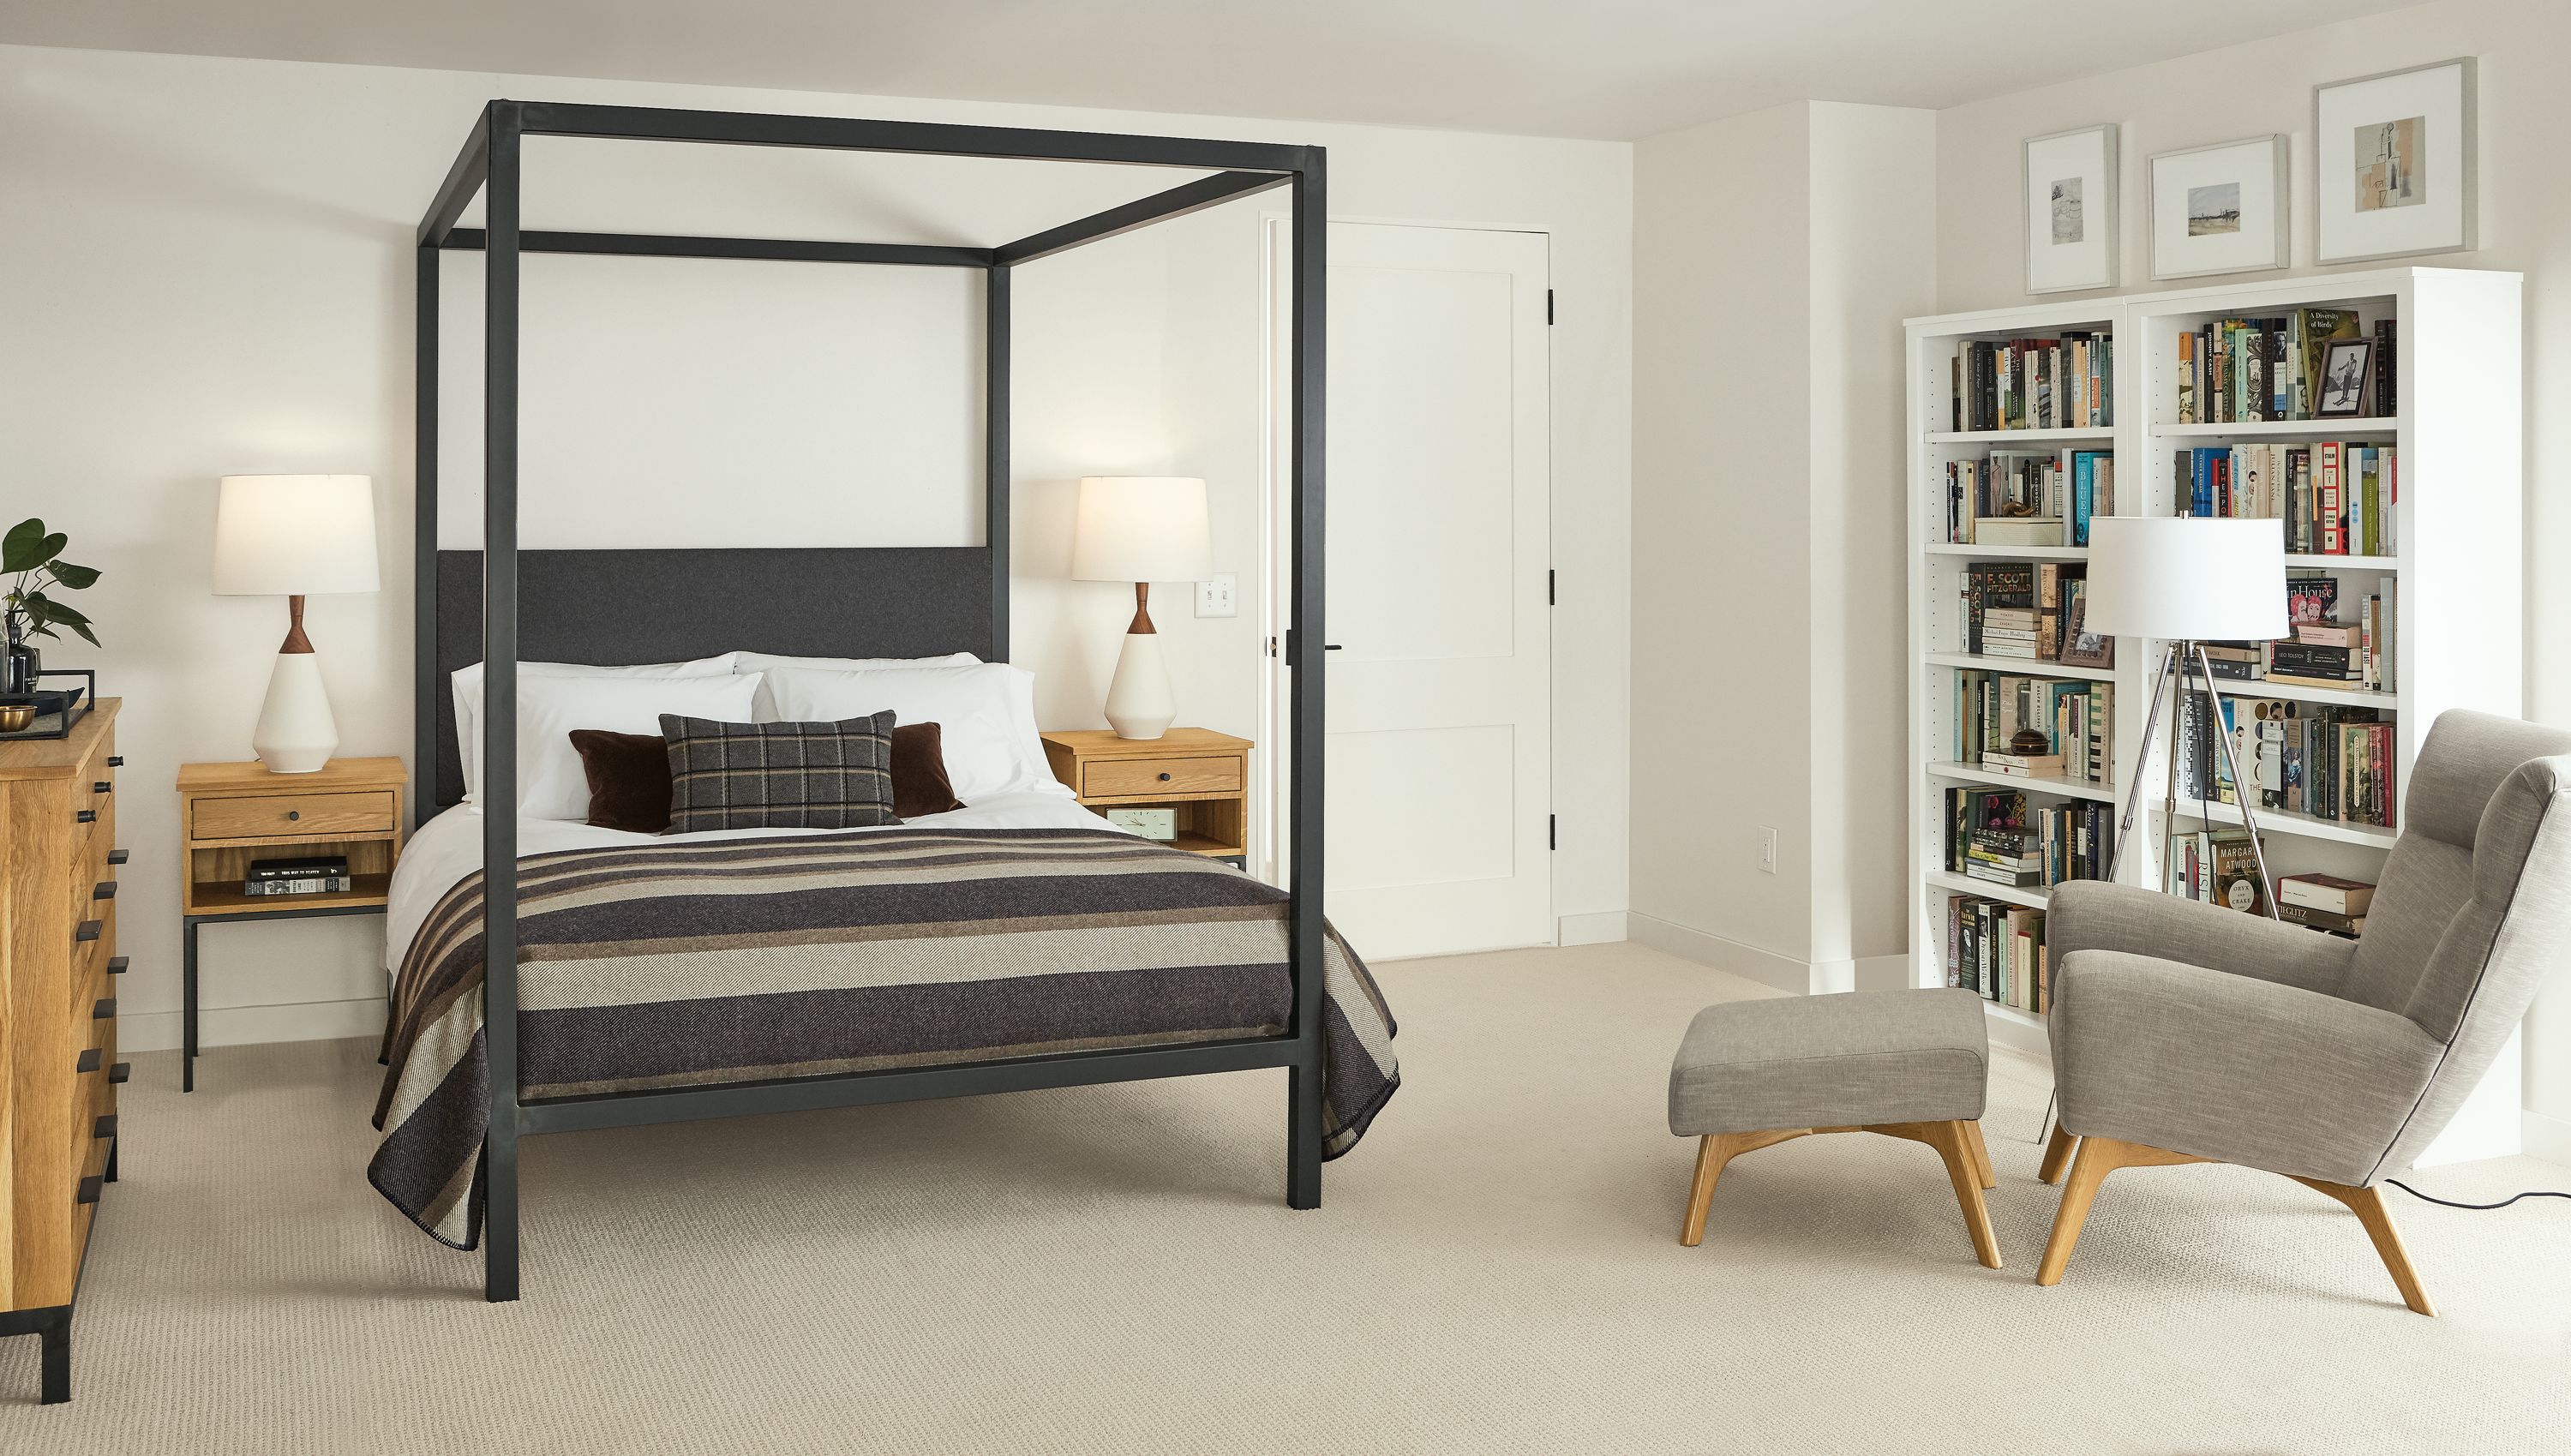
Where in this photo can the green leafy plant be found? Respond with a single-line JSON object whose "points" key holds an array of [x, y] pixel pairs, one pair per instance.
{"points": [[33, 556]]}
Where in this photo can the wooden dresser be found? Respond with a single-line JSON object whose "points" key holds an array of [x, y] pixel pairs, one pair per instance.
{"points": [[58, 1067]]}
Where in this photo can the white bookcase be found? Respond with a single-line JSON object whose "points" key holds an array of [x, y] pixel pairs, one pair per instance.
{"points": [[2457, 529]]}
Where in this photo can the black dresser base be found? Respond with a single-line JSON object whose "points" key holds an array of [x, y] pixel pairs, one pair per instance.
{"points": [[54, 1327]]}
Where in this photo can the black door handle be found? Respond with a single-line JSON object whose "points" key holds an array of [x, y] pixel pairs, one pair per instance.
{"points": [[88, 931], [84, 816], [104, 890], [105, 1010], [1330, 647], [115, 760], [116, 965], [118, 856]]}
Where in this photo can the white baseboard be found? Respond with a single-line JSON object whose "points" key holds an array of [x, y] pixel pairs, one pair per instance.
{"points": [[2548, 1137], [1597, 928], [241, 1026], [1708, 949]]}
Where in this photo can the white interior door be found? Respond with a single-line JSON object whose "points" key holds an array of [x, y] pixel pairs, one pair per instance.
{"points": [[1438, 770]]}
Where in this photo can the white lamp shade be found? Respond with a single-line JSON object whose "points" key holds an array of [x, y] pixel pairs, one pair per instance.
{"points": [[294, 535], [1142, 528], [2188, 577]]}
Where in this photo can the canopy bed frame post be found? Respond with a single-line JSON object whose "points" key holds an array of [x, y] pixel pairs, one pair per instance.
{"points": [[423, 541], [500, 701], [995, 448], [1303, 1080]]}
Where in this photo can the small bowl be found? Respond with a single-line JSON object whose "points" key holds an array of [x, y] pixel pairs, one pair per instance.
{"points": [[17, 717]]}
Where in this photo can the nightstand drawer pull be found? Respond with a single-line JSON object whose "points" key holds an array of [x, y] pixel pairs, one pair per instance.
{"points": [[104, 890], [101, 787], [120, 1072], [88, 931], [1165, 778], [104, 1128], [88, 1062], [118, 856], [294, 814], [266, 816], [84, 816], [116, 965], [105, 1010], [115, 760], [89, 1188]]}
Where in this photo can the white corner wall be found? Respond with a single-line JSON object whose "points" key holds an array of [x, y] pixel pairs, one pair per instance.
{"points": [[1777, 253], [209, 271]]}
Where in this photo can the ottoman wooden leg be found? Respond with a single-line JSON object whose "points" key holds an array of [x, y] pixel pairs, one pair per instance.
{"points": [[1954, 1143], [1981, 1154], [1714, 1151]]}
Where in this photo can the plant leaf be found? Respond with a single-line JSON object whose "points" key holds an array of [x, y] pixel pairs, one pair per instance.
{"points": [[52, 612], [74, 578], [18, 548]]}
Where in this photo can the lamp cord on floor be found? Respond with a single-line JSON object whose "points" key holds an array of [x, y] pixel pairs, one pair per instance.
{"points": [[2477, 1207]]}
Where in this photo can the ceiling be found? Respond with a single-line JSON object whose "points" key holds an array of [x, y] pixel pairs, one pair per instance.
{"points": [[1569, 68]]}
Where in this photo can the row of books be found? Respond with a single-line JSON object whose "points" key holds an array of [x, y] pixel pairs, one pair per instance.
{"points": [[2029, 497], [1996, 835], [2324, 902], [1997, 949], [320, 874], [2323, 762], [2320, 651], [2032, 610], [2077, 719], [2217, 866], [2337, 498], [2035, 383], [2237, 369]]}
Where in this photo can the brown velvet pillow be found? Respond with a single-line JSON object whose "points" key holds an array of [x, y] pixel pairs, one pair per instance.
{"points": [[628, 776]]}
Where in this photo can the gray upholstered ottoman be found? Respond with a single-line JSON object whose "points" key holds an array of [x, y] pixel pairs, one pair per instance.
{"points": [[1907, 1064]]}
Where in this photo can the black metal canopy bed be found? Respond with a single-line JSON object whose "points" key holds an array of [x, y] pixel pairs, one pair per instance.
{"points": [[482, 955]]}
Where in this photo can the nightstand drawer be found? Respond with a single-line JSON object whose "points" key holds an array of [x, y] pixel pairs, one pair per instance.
{"points": [[1138, 778], [280, 814]]}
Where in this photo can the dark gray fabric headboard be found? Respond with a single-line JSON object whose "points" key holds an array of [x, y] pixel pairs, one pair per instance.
{"points": [[613, 608]]}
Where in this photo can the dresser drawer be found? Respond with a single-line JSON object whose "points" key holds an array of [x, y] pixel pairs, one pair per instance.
{"points": [[278, 815], [1143, 777]]}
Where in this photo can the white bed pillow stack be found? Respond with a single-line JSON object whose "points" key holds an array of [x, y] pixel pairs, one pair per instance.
{"points": [[986, 713], [466, 685]]}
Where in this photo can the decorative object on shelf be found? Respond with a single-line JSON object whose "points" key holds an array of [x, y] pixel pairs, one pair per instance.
{"points": [[2219, 209], [2347, 367], [1141, 529], [2394, 163], [295, 536], [2071, 231], [1161, 825], [34, 557], [17, 717], [2185, 579]]}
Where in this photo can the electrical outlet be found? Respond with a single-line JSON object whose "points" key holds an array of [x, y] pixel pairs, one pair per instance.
{"points": [[1215, 595], [1767, 849]]}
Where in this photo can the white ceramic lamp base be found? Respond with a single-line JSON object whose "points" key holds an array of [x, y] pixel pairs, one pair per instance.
{"points": [[296, 732], [1139, 701]]}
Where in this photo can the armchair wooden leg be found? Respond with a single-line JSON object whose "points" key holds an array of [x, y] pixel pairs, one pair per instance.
{"points": [[2367, 1204], [2098, 1157], [2057, 1156], [1714, 1151], [1954, 1143], [1981, 1154]]}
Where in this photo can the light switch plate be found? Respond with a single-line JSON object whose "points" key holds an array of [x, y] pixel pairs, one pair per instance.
{"points": [[1215, 595]]}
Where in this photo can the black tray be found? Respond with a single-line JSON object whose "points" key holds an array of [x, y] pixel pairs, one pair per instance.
{"points": [[58, 709]]}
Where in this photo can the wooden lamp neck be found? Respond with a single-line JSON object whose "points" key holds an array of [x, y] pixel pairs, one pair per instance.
{"points": [[296, 640], [1141, 626]]}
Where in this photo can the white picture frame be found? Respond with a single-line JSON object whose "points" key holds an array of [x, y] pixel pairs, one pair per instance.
{"points": [[2220, 209], [2068, 181], [2394, 165]]}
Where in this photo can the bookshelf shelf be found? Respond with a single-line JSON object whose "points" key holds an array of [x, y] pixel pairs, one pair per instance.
{"points": [[2452, 590]]}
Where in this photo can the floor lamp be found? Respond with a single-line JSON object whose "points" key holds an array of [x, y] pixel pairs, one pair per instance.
{"points": [[2187, 580]]}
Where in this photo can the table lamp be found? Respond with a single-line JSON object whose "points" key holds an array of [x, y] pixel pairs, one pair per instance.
{"points": [[295, 536], [1141, 529], [2188, 580]]}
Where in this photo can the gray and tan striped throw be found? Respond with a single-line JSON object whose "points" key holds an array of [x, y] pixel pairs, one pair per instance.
{"points": [[779, 775], [740, 960]]}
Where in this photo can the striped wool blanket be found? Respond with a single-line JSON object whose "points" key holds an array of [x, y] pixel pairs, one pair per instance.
{"points": [[740, 960]]}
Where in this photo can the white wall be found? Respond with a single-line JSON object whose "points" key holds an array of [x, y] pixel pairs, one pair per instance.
{"points": [[1778, 252], [2525, 226], [208, 269]]}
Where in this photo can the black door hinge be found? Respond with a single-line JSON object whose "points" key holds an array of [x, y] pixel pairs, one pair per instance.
{"points": [[1548, 588], [1552, 831], [1548, 305]]}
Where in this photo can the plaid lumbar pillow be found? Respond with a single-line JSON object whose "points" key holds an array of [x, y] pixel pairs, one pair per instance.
{"points": [[765, 776]]}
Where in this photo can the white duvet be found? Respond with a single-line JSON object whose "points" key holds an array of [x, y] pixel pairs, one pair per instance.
{"points": [[449, 847]]}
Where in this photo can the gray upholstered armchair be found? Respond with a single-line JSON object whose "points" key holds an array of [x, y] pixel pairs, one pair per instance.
{"points": [[2186, 1033]]}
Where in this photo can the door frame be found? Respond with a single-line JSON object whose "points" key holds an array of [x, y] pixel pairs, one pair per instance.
{"points": [[1269, 834]]}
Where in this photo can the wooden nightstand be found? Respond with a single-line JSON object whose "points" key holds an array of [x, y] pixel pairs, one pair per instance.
{"points": [[233, 813], [1203, 775]]}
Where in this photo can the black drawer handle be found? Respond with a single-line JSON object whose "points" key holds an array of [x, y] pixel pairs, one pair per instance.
{"points": [[120, 1072], [116, 965], [104, 1128], [118, 856], [88, 1062], [88, 931], [105, 1010], [85, 817], [104, 890], [101, 787], [1165, 778], [89, 1188], [292, 815], [115, 760]]}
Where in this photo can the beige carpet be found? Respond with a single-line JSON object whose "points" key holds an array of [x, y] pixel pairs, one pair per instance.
{"points": [[1111, 1269]]}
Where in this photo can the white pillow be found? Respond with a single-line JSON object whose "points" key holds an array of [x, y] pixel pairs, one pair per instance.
{"points": [[466, 684], [550, 782], [986, 714], [769, 662]]}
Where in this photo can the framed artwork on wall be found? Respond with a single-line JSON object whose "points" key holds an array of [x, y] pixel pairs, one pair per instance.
{"points": [[2070, 183], [2219, 209], [2394, 163]]}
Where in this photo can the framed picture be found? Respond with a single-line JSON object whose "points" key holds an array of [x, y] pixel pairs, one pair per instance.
{"points": [[2082, 647], [2345, 369], [2219, 209], [2070, 182], [2394, 163]]}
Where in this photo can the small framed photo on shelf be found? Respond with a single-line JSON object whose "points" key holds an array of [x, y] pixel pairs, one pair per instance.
{"points": [[2394, 163], [2219, 209], [2082, 647], [2070, 183], [2347, 367]]}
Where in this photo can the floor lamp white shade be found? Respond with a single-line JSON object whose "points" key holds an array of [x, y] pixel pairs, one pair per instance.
{"points": [[2187, 577], [1141, 529], [295, 536]]}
